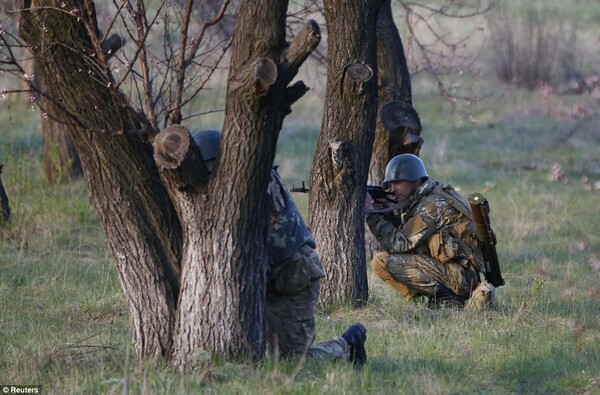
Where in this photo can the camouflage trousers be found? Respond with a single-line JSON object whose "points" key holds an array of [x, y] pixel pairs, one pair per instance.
{"points": [[292, 295], [413, 275]]}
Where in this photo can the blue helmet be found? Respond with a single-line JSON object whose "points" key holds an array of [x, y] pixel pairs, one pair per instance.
{"points": [[209, 142], [405, 167]]}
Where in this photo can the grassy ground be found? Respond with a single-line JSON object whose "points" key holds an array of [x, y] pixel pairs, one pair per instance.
{"points": [[63, 323]]}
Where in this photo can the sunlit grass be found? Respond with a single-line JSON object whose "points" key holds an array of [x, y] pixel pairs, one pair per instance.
{"points": [[64, 323]]}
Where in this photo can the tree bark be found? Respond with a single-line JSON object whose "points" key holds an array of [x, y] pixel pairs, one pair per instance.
{"points": [[60, 158], [190, 251], [340, 167], [137, 215], [394, 85], [222, 299]]}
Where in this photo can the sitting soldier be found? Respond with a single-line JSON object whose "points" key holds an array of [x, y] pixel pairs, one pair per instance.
{"points": [[293, 275]]}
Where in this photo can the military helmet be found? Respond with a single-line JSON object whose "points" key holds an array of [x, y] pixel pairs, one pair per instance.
{"points": [[405, 167], [209, 142]]}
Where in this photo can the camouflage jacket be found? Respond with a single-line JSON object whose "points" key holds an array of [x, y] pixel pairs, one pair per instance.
{"points": [[436, 222], [287, 231]]}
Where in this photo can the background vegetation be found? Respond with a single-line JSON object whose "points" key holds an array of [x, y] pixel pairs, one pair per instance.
{"points": [[532, 149]]}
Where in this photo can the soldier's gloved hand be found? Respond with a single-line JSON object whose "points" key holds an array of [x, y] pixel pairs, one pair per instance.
{"points": [[373, 205]]}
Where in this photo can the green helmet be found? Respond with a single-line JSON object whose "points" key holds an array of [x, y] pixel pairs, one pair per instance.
{"points": [[405, 167], [209, 142]]}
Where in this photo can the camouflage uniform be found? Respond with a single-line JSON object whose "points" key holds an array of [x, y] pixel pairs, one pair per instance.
{"points": [[431, 240], [293, 280]]}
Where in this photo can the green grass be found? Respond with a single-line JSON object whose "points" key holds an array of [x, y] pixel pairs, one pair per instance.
{"points": [[64, 323]]}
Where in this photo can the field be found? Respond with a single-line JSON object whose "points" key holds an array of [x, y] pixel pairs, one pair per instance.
{"points": [[64, 323]]}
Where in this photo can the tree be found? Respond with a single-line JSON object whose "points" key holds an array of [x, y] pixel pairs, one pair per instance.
{"points": [[60, 160], [339, 172], [399, 127], [186, 246]]}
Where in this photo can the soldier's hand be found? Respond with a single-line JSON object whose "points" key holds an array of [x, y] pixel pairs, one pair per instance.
{"points": [[372, 206]]}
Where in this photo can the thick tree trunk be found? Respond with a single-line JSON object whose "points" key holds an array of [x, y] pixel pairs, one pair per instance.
{"points": [[124, 187], [190, 252], [222, 301], [340, 168], [394, 85]]}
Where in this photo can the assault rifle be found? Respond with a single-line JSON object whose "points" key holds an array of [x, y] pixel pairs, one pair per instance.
{"points": [[301, 189], [377, 192], [486, 238]]}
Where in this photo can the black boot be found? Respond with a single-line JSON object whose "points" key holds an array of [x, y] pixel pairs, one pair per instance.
{"points": [[443, 296], [356, 336]]}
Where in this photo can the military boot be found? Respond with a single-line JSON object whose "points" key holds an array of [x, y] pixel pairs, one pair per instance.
{"points": [[444, 297], [356, 336], [482, 297]]}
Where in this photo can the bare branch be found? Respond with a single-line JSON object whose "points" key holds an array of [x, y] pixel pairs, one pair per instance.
{"points": [[200, 36], [186, 58], [443, 55]]}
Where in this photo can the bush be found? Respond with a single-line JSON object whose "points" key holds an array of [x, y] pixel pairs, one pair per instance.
{"points": [[531, 45]]}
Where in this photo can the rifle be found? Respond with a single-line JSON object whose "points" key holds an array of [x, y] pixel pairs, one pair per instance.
{"points": [[486, 238], [301, 189], [377, 192]]}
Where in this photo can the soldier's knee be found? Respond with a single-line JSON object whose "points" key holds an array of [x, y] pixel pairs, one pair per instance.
{"points": [[378, 264]]}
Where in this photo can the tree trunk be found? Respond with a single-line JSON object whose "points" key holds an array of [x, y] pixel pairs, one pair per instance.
{"points": [[140, 222], [222, 299], [190, 252], [339, 172], [394, 85]]}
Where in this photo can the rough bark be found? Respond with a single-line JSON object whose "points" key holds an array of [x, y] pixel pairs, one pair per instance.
{"points": [[394, 85], [190, 250], [140, 222], [60, 159], [222, 299], [340, 167]]}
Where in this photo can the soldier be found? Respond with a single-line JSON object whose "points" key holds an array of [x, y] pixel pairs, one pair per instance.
{"points": [[429, 239], [293, 276]]}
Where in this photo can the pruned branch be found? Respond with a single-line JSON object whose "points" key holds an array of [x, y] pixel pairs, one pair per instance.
{"points": [[264, 75], [179, 158], [171, 146], [404, 125], [359, 72], [296, 91], [301, 47], [396, 114]]}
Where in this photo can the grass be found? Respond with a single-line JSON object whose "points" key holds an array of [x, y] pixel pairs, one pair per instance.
{"points": [[64, 323]]}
